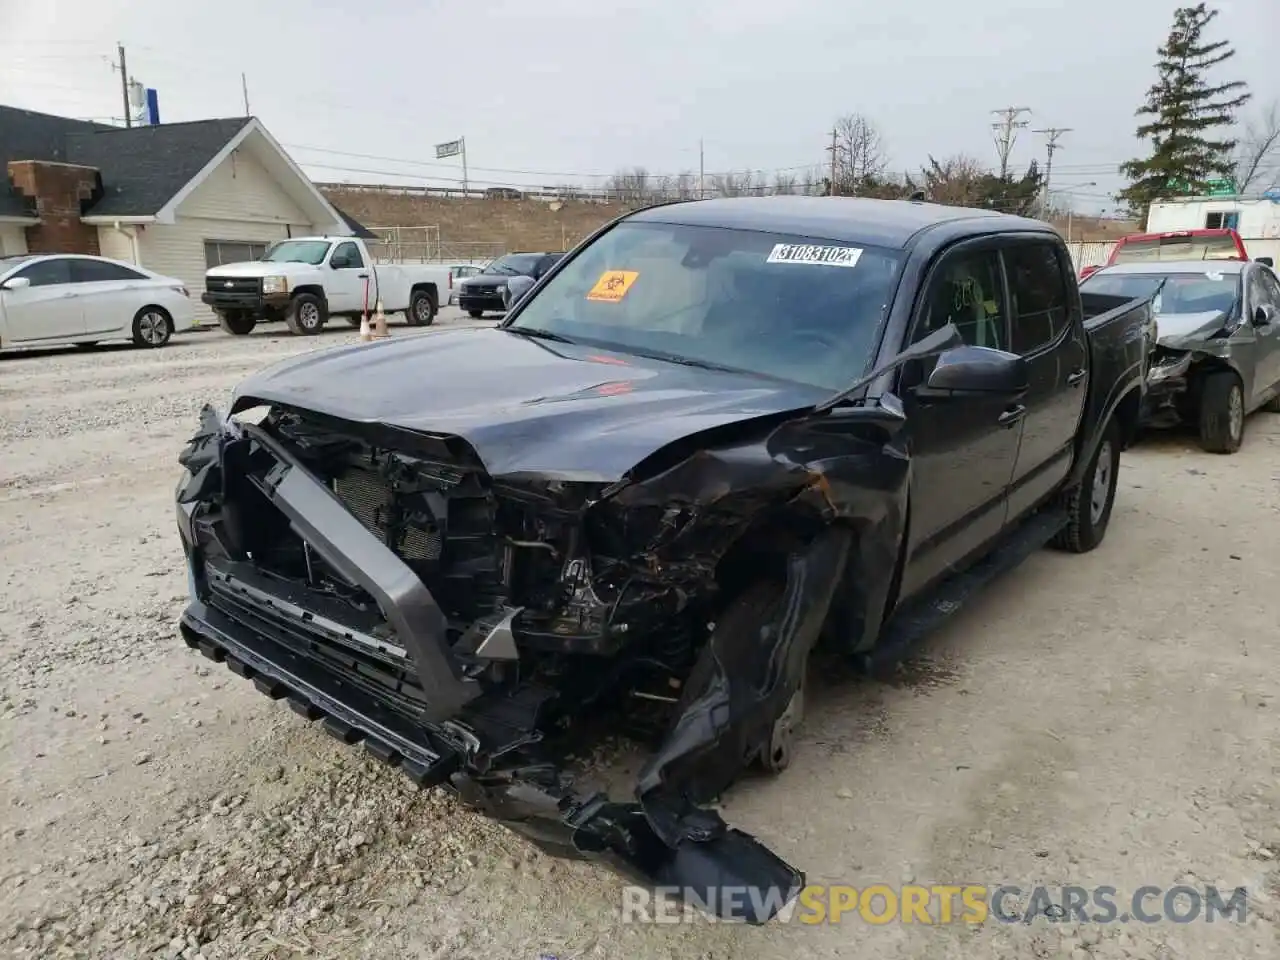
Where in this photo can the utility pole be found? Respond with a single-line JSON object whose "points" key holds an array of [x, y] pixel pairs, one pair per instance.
{"points": [[244, 89], [702, 172], [124, 86], [1005, 131], [1051, 144], [833, 150]]}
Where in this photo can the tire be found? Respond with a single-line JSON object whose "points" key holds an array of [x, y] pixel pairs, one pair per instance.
{"points": [[1221, 415], [237, 324], [1089, 503], [422, 309], [353, 321], [475, 314], [306, 315], [152, 327]]}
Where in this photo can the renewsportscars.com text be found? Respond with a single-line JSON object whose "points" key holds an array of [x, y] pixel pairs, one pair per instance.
{"points": [[939, 904]]}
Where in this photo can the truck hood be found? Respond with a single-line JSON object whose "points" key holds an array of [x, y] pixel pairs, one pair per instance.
{"points": [[260, 268], [526, 406], [1183, 331]]}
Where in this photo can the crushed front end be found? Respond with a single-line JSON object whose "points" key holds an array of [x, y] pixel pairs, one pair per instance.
{"points": [[472, 630]]}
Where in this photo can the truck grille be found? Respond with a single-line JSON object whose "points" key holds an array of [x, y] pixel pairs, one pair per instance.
{"points": [[232, 284]]}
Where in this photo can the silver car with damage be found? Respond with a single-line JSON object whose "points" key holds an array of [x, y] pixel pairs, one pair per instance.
{"points": [[1215, 355]]}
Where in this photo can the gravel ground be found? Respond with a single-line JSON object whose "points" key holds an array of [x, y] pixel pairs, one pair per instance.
{"points": [[1107, 719]]}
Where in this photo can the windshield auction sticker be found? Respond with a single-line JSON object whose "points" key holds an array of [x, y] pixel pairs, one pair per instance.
{"points": [[809, 253], [612, 285]]}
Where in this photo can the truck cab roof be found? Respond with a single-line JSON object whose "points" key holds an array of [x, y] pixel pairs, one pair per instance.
{"points": [[893, 224]]}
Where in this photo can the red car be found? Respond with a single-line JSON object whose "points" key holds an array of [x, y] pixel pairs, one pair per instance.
{"points": [[1222, 244]]}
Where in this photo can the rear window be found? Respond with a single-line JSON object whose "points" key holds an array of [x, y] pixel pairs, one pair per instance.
{"points": [[1177, 248]]}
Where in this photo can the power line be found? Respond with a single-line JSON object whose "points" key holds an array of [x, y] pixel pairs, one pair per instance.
{"points": [[1006, 133]]}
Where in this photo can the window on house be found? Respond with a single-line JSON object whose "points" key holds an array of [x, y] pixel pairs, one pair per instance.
{"points": [[1221, 220], [218, 252]]}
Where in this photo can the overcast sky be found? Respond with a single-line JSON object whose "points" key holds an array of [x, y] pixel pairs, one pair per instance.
{"points": [[552, 91]]}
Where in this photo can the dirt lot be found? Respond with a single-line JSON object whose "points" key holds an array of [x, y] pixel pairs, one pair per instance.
{"points": [[1107, 719]]}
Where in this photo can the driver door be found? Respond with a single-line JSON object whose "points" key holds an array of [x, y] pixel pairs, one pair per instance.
{"points": [[963, 448], [344, 288]]}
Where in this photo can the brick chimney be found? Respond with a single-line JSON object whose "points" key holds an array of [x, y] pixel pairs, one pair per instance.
{"points": [[58, 190]]}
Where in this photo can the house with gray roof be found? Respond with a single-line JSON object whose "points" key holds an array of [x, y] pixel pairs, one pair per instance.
{"points": [[176, 198]]}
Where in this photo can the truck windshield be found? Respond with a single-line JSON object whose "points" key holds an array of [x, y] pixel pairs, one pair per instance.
{"points": [[297, 251], [792, 308], [1155, 249], [514, 265], [1211, 291]]}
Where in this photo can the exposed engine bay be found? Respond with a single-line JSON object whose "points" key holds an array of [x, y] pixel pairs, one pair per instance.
{"points": [[478, 631]]}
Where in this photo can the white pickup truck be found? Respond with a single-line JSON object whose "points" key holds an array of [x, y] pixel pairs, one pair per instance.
{"points": [[306, 280]]}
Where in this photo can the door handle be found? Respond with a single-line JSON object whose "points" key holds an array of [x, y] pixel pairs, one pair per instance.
{"points": [[1012, 416], [1075, 377]]}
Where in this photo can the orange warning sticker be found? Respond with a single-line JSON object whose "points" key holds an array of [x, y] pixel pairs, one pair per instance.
{"points": [[612, 285]]}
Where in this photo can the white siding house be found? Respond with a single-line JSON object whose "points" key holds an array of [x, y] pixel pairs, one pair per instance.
{"points": [[247, 196]]}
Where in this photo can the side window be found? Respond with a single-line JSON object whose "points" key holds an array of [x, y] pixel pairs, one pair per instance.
{"points": [[1039, 295], [95, 271], [966, 291], [46, 273], [346, 257]]}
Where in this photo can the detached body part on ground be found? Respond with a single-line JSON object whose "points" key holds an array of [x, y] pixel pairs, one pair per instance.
{"points": [[306, 280], [1215, 353], [475, 549]]}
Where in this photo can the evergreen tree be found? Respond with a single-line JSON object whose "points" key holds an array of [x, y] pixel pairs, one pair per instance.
{"points": [[1184, 108]]}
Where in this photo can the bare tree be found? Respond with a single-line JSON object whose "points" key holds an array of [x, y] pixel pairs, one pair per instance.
{"points": [[1259, 145], [955, 180], [784, 184], [859, 153], [630, 186]]}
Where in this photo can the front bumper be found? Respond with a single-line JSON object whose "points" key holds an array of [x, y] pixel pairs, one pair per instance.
{"points": [[1166, 388], [486, 302], [257, 304], [483, 747]]}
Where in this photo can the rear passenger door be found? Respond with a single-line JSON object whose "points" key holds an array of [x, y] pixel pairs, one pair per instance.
{"points": [[109, 294], [1048, 331]]}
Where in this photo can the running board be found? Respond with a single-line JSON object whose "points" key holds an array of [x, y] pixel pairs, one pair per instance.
{"points": [[920, 617]]}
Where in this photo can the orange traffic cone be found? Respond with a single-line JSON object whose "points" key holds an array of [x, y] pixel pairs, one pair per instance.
{"points": [[379, 322]]}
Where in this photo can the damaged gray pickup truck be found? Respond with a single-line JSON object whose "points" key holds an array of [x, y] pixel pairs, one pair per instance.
{"points": [[715, 435]]}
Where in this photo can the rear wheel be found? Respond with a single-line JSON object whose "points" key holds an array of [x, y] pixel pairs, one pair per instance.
{"points": [[422, 309], [306, 315], [354, 321], [152, 327], [1089, 503], [1221, 412], [237, 323]]}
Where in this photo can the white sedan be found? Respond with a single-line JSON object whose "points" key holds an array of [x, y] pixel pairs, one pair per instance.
{"points": [[52, 299]]}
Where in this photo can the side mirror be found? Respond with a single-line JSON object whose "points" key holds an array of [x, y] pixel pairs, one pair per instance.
{"points": [[516, 288], [1263, 315], [978, 371], [1265, 261], [16, 283]]}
